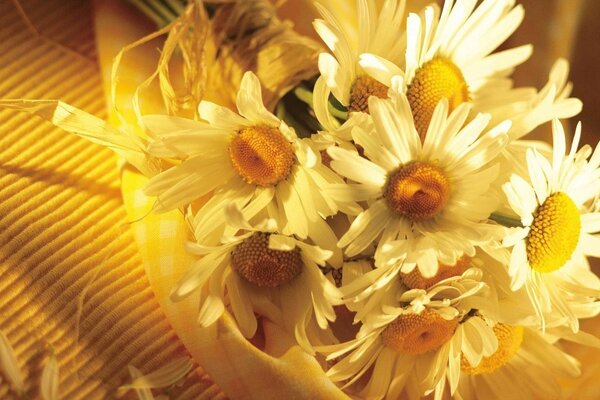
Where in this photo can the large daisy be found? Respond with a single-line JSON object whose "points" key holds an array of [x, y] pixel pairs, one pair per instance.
{"points": [[427, 201], [379, 32], [560, 226], [407, 340], [260, 271], [450, 55], [253, 159]]}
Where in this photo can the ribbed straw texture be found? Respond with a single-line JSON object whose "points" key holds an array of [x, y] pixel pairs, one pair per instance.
{"points": [[64, 234]]}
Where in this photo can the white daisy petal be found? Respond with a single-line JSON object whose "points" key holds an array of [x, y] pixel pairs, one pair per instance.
{"points": [[163, 124], [242, 308], [538, 179], [321, 105], [590, 222], [379, 68], [281, 242], [250, 104], [518, 268], [354, 167], [220, 117]]}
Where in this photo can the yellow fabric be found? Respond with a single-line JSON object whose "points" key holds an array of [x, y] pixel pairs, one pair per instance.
{"points": [[64, 233]]}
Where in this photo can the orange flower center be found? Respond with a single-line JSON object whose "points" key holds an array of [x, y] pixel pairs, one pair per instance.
{"points": [[418, 333], [261, 155], [509, 342], [418, 191], [363, 88], [254, 261], [437, 79]]}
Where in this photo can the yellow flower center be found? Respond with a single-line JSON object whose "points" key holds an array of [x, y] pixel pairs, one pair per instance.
{"points": [[509, 341], [554, 233], [363, 88], [261, 155], [437, 79], [254, 261], [418, 333], [418, 190], [414, 279]]}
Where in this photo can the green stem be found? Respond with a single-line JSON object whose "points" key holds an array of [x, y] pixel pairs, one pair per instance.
{"points": [[339, 114], [300, 128], [162, 12], [177, 5], [505, 220], [305, 95]]}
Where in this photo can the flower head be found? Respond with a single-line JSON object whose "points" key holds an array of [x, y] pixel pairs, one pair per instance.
{"points": [[559, 226], [379, 32], [252, 159], [428, 201], [406, 338], [260, 271]]}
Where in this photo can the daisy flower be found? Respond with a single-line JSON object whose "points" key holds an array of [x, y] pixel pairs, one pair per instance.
{"points": [[427, 201], [524, 366], [449, 55], [379, 32], [364, 286], [253, 159], [560, 226], [407, 341], [260, 271]]}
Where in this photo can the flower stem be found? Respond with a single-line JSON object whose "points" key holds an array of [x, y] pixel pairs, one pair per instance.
{"points": [[162, 12], [505, 220]]}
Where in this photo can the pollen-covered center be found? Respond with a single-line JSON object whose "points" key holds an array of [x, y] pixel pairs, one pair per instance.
{"points": [[509, 341], [417, 191], [418, 333], [363, 88], [437, 79], [554, 233], [254, 261], [261, 155], [414, 279]]}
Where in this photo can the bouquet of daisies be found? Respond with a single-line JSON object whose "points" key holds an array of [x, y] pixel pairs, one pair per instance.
{"points": [[393, 189]]}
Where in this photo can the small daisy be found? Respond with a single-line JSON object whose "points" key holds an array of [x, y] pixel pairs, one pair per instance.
{"points": [[379, 32], [559, 227], [261, 272], [429, 200], [448, 55], [408, 343], [363, 286], [253, 159], [524, 366]]}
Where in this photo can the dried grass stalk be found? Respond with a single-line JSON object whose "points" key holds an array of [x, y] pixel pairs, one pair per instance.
{"points": [[205, 58]]}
